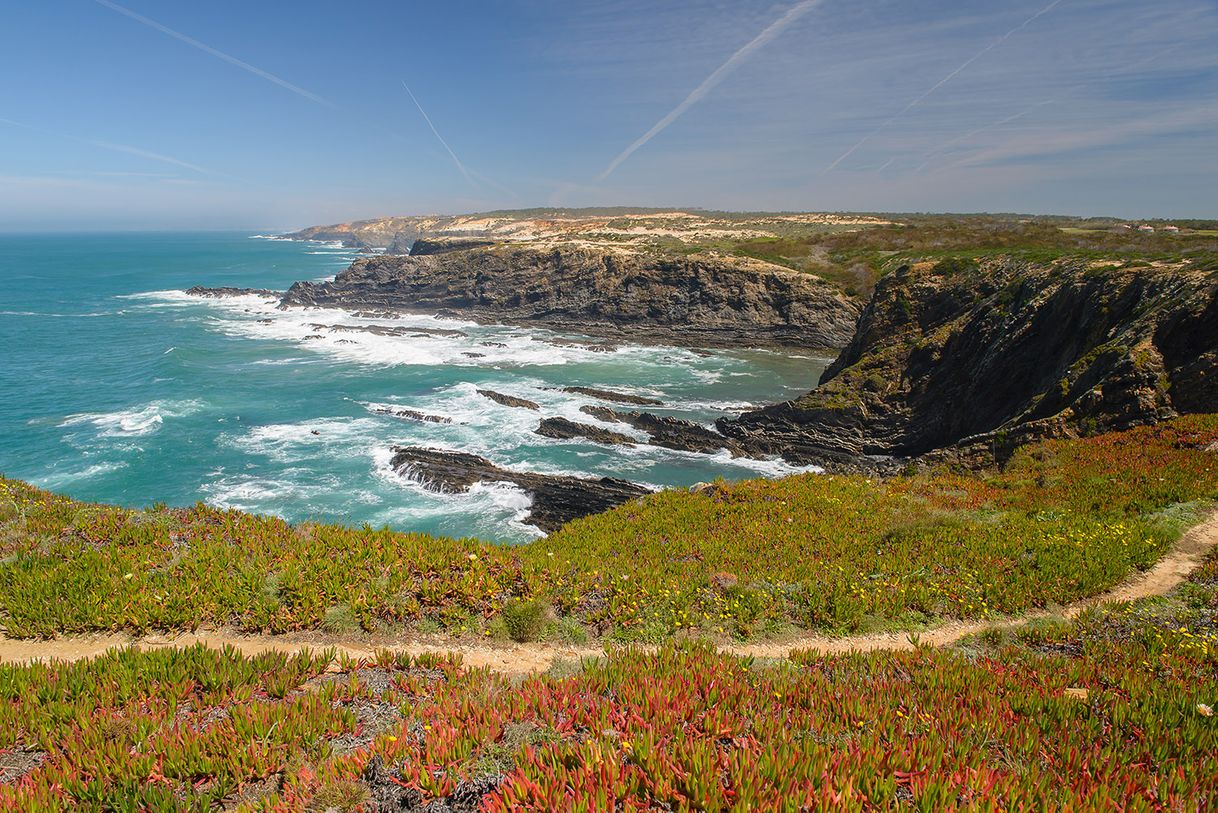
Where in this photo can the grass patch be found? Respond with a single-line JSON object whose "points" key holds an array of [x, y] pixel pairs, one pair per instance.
{"points": [[524, 620]]}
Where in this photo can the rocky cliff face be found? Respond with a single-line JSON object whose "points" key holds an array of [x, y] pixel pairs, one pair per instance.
{"points": [[955, 355], [685, 300]]}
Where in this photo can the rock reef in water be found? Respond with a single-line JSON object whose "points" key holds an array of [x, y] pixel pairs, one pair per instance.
{"points": [[221, 292], [563, 429], [668, 433], [411, 415], [556, 499], [613, 395], [509, 400]]}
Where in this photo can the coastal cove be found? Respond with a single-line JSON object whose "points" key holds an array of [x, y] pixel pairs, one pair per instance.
{"points": [[117, 387]]}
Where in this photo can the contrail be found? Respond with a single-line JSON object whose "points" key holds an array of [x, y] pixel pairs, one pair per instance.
{"points": [[439, 137], [942, 82], [734, 61], [154, 156], [944, 147], [107, 145], [207, 49]]}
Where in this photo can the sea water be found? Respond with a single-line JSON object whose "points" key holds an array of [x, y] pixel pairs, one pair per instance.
{"points": [[117, 387]]}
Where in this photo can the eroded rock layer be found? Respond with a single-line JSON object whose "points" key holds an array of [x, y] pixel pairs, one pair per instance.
{"points": [[685, 301]]}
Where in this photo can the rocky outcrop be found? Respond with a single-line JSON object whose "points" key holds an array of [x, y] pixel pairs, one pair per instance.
{"points": [[669, 433], [955, 355], [509, 400], [691, 301], [376, 233], [423, 246], [556, 499], [563, 429]]}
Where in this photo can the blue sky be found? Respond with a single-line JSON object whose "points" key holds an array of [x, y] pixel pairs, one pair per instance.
{"points": [[158, 114]]}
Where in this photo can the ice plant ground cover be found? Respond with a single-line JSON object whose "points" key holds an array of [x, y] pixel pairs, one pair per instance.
{"points": [[1112, 711], [1062, 521]]}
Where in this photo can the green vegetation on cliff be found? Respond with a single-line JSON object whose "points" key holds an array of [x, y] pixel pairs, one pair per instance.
{"points": [[1064, 520]]}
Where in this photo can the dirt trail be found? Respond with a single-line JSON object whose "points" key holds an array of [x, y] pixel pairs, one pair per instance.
{"points": [[520, 659]]}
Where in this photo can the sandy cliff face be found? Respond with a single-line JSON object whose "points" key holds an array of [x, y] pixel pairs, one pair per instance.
{"points": [[685, 301], [992, 356], [616, 227]]}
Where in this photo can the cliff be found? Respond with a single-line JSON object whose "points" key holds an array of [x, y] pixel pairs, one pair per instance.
{"points": [[694, 300], [983, 358]]}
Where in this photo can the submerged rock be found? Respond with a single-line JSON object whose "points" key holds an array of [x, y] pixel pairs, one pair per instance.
{"points": [[563, 429], [556, 499], [669, 433], [611, 395], [392, 330], [411, 414], [199, 290], [508, 400]]}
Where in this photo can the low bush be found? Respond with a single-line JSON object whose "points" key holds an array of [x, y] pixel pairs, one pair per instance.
{"points": [[524, 620]]}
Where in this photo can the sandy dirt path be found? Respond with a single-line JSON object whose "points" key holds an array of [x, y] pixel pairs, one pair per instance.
{"points": [[521, 659]]}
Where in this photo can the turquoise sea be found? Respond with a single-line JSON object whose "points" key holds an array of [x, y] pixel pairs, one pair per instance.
{"points": [[117, 387]]}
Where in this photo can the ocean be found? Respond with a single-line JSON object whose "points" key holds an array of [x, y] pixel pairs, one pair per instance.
{"points": [[117, 387]]}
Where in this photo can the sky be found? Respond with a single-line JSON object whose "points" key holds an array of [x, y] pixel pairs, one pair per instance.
{"points": [[163, 114]]}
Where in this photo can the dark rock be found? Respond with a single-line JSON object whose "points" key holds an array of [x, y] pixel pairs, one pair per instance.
{"points": [[564, 429], [470, 355], [699, 300], [508, 400], [669, 433], [618, 397], [199, 290], [556, 499], [493, 344], [411, 415]]}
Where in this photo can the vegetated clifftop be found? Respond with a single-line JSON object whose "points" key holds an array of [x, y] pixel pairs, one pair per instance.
{"points": [[983, 358], [687, 301]]}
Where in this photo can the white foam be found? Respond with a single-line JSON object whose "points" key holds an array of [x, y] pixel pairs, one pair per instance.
{"points": [[58, 480], [258, 317], [270, 495], [291, 442], [493, 506], [166, 296], [134, 422]]}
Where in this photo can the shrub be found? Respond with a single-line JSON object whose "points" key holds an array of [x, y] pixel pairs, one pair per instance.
{"points": [[523, 619], [339, 619]]}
